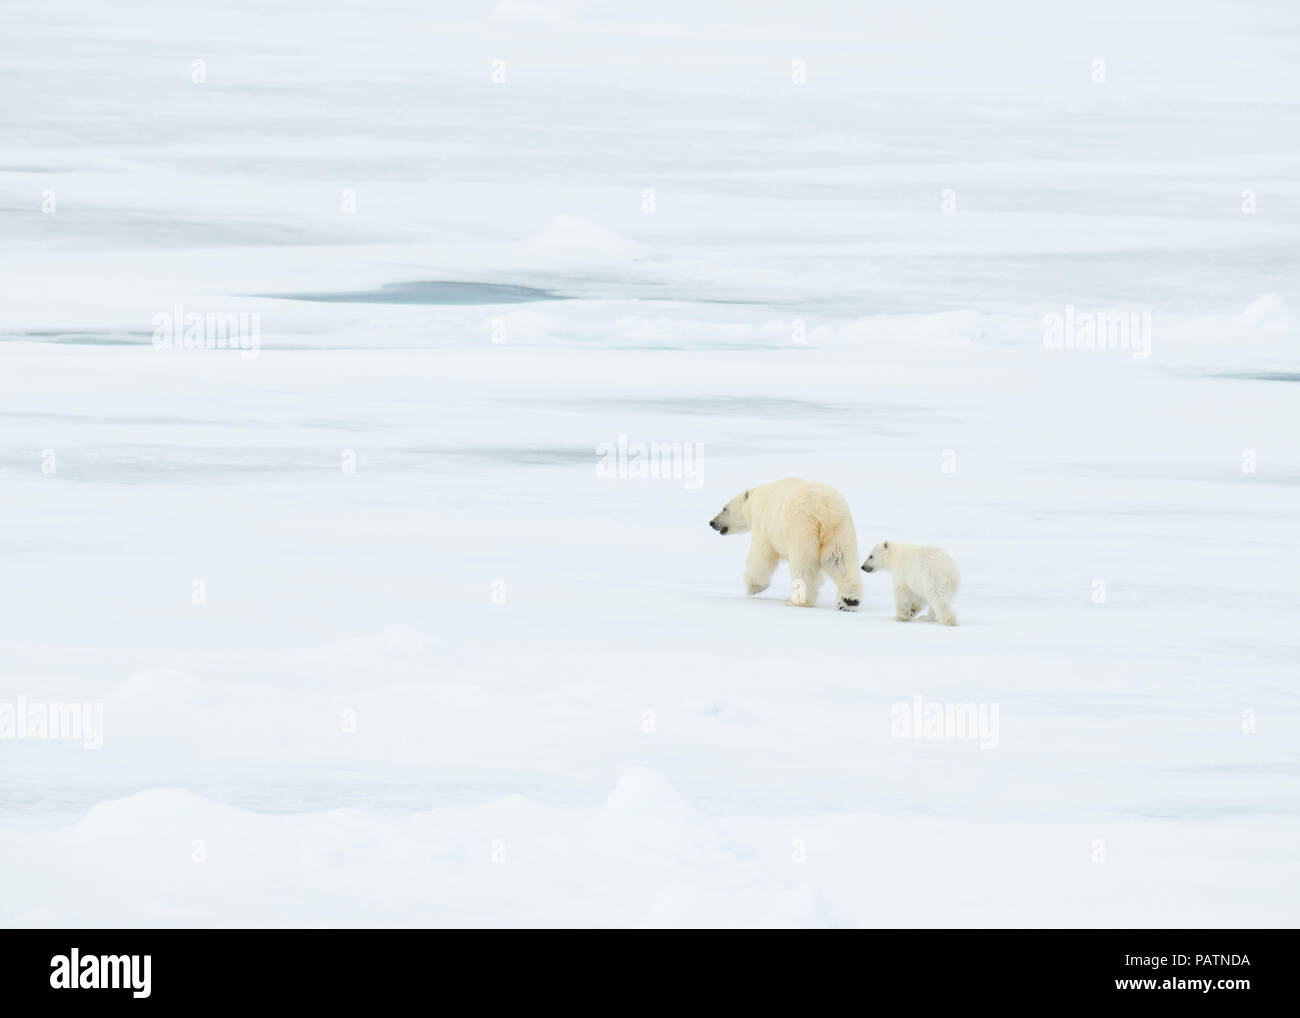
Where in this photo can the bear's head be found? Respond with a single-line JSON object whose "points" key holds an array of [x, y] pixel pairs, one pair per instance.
{"points": [[734, 518], [878, 559]]}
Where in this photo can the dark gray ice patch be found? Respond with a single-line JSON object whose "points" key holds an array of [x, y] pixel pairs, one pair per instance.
{"points": [[435, 292], [1264, 376], [712, 406], [517, 455], [79, 338]]}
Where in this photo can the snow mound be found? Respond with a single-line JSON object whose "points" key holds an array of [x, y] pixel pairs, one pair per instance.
{"points": [[571, 241], [648, 820], [1270, 314], [396, 638], [642, 793], [146, 815]]}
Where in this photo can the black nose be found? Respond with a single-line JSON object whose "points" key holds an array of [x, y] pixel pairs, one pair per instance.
{"points": [[714, 524], [866, 568]]}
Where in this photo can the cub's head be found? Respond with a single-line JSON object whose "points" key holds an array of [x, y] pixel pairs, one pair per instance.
{"points": [[878, 559], [734, 518]]}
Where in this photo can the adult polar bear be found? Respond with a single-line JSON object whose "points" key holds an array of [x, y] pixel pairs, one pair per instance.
{"points": [[804, 522]]}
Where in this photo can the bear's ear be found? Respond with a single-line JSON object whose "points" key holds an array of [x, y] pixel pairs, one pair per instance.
{"points": [[746, 496], [885, 545]]}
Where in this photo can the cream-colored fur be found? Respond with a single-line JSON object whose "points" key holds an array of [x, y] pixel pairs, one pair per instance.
{"points": [[923, 575], [806, 523]]}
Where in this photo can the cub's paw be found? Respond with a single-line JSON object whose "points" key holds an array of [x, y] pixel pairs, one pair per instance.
{"points": [[847, 604], [754, 588]]}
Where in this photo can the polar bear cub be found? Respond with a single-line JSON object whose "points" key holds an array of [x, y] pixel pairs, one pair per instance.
{"points": [[806, 523], [922, 575]]}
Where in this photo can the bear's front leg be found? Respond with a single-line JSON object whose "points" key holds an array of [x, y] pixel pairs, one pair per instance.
{"points": [[760, 564]]}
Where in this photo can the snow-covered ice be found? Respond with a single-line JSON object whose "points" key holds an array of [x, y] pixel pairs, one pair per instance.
{"points": [[375, 643]]}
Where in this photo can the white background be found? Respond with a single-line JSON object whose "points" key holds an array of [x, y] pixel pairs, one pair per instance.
{"points": [[500, 770]]}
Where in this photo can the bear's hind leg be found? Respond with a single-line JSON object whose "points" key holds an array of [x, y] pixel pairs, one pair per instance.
{"points": [[760, 564], [842, 568], [805, 578], [943, 613], [939, 595]]}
